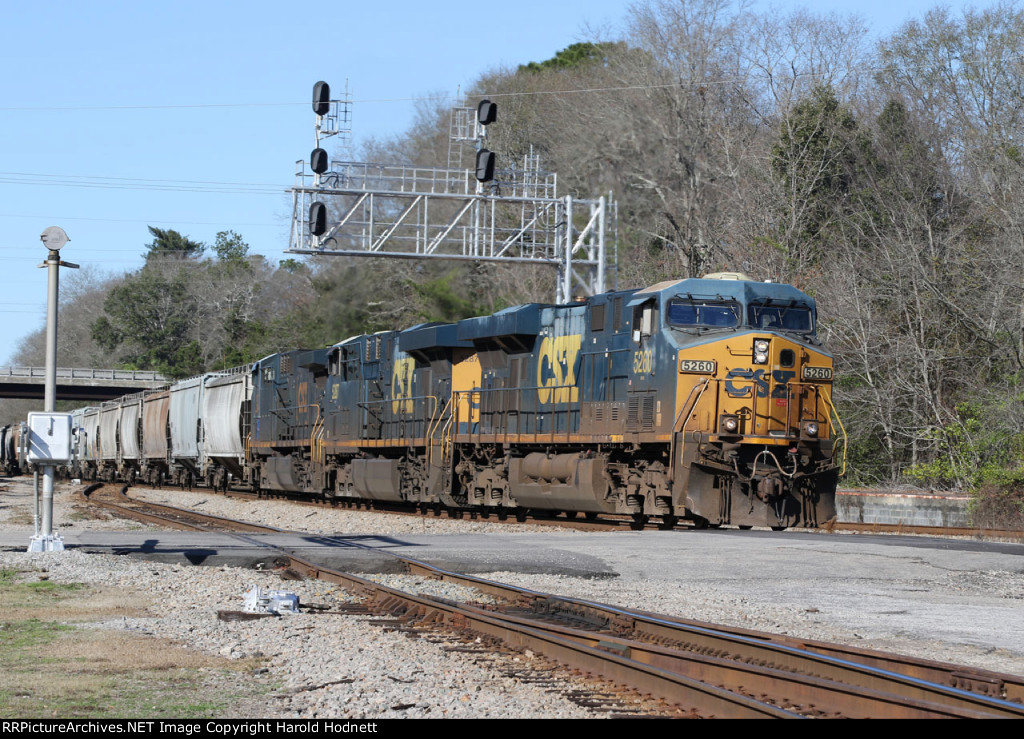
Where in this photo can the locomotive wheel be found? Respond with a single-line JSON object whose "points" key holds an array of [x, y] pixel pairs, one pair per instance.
{"points": [[571, 514], [502, 513], [590, 515], [745, 527], [521, 515], [668, 522], [639, 521]]}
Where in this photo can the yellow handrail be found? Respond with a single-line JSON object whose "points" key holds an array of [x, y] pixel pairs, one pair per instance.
{"points": [[435, 421], [316, 448], [839, 422], [683, 412]]}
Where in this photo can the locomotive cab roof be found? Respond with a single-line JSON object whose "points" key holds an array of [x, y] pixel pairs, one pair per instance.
{"points": [[731, 301], [744, 291]]}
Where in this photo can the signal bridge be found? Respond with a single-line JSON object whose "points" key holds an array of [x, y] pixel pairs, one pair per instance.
{"points": [[347, 208]]}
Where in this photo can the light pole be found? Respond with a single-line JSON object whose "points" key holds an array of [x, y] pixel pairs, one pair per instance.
{"points": [[46, 440]]}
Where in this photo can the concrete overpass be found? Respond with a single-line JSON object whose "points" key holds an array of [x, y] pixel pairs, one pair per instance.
{"points": [[77, 383]]}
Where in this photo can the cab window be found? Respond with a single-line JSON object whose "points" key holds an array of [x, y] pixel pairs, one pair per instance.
{"points": [[703, 314], [798, 318]]}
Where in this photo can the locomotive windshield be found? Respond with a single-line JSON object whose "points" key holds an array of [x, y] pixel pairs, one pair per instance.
{"points": [[779, 316], [703, 313]]}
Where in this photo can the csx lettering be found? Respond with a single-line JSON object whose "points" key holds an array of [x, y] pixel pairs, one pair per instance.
{"points": [[643, 362], [757, 379], [557, 364], [401, 385], [782, 378]]}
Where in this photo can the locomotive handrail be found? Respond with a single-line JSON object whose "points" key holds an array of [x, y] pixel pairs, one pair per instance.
{"points": [[435, 422], [568, 409], [446, 437], [839, 422], [818, 394], [388, 419], [821, 398], [683, 411], [277, 412], [316, 447], [703, 385]]}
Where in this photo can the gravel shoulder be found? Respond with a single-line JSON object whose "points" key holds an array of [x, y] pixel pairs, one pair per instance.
{"points": [[325, 665]]}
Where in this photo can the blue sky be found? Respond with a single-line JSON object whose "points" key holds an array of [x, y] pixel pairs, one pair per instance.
{"points": [[118, 115]]}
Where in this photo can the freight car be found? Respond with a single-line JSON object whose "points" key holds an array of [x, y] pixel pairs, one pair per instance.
{"points": [[702, 399], [193, 431], [12, 452]]}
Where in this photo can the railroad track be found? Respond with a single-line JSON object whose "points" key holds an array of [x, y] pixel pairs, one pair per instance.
{"points": [[625, 523], [689, 668]]}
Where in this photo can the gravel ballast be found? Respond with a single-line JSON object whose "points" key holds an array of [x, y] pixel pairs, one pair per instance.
{"points": [[337, 666]]}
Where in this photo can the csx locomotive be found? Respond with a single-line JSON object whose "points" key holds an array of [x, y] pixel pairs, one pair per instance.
{"points": [[702, 399]]}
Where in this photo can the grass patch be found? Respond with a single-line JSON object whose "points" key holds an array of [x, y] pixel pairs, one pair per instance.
{"points": [[20, 635], [53, 669]]}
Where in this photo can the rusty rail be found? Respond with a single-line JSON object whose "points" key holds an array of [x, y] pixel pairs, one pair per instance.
{"points": [[706, 669]]}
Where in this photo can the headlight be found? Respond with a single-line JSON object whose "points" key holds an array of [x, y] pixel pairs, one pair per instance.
{"points": [[729, 424], [760, 352], [811, 428]]}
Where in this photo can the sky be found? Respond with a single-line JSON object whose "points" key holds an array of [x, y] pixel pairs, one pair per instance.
{"points": [[190, 115]]}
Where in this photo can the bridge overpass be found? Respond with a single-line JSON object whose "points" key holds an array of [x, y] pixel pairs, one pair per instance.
{"points": [[77, 383]]}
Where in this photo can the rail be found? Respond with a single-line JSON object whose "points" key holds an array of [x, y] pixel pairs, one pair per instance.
{"points": [[710, 669]]}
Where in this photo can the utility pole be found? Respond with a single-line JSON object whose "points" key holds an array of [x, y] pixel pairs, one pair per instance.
{"points": [[50, 432]]}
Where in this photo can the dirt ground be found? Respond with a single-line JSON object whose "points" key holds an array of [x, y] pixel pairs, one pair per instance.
{"points": [[55, 663]]}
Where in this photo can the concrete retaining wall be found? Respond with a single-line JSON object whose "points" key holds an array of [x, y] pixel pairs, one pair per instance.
{"points": [[896, 508]]}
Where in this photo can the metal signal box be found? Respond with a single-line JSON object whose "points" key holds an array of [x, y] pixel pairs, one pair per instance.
{"points": [[49, 437]]}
